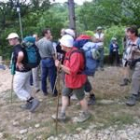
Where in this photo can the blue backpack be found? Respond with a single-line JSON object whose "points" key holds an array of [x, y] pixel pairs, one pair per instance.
{"points": [[32, 51], [90, 64], [90, 53]]}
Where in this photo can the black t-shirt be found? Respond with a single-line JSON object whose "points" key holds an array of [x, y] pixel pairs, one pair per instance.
{"points": [[59, 50], [18, 48]]}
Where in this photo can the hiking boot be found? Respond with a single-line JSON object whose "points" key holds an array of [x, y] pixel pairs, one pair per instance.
{"points": [[92, 100], [35, 103], [27, 106], [132, 100], [61, 117], [101, 69], [54, 95], [83, 116], [125, 82], [44, 93], [37, 90]]}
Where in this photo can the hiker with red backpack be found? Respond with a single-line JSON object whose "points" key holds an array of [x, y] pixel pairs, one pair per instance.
{"points": [[75, 79], [21, 72]]}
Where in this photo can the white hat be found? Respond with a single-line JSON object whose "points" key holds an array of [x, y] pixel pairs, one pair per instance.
{"points": [[70, 32], [67, 41], [99, 28], [113, 38], [12, 35]]}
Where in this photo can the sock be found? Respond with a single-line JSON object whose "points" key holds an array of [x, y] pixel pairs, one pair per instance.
{"points": [[31, 98], [92, 96]]}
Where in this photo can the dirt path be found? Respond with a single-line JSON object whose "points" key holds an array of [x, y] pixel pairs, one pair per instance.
{"points": [[5, 80], [109, 110]]}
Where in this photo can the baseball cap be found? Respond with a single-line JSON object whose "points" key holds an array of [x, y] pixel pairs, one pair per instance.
{"points": [[12, 35]]}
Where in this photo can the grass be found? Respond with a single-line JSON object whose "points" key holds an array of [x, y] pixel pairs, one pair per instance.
{"points": [[103, 115]]}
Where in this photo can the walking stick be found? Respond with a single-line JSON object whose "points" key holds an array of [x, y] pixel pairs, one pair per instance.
{"points": [[12, 87], [57, 107]]}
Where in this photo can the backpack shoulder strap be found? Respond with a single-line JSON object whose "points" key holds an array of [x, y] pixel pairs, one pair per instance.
{"points": [[80, 51], [138, 43], [74, 51]]}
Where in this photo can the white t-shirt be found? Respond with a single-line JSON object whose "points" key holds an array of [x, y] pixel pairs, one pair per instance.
{"points": [[99, 36]]}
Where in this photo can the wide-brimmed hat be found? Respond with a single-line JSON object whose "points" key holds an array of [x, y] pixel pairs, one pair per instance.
{"points": [[67, 41]]}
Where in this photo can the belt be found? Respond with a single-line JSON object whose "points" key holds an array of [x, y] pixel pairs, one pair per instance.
{"points": [[46, 57]]}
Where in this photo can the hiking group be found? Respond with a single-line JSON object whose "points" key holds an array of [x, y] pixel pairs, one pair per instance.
{"points": [[76, 59]]}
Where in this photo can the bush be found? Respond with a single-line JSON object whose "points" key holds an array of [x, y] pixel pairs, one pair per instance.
{"points": [[90, 33]]}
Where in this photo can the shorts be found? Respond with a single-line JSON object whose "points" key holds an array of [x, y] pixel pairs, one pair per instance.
{"points": [[79, 92]]}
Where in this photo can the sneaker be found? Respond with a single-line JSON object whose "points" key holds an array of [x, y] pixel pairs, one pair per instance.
{"points": [[35, 103], [44, 93], [92, 100], [125, 82], [54, 95], [83, 116], [37, 90], [27, 106], [61, 117], [101, 69], [131, 100]]}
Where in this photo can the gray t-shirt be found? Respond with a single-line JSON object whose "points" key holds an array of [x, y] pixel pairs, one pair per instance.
{"points": [[45, 48]]}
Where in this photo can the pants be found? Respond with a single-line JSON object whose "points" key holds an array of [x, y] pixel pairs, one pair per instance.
{"points": [[114, 58], [135, 86], [101, 59], [21, 85], [35, 77], [88, 86], [2, 67], [48, 69]]}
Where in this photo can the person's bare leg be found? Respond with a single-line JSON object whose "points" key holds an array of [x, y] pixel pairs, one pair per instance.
{"points": [[126, 74], [84, 105], [65, 103]]}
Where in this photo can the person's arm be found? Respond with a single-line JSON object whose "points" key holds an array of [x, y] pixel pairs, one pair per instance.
{"points": [[51, 49], [62, 67], [65, 69], [20, 57], [101, 39], [74, 66]]}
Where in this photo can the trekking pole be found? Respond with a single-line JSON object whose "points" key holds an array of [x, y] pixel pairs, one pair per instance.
{"points": [[57, 107], [12, 87]]}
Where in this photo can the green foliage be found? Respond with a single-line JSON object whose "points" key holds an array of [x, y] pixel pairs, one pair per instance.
{"points": [[108, 12], [90, 33], [36, 15], [113, 31]]}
